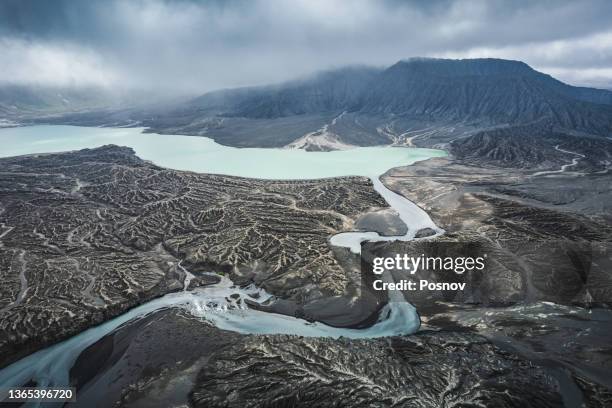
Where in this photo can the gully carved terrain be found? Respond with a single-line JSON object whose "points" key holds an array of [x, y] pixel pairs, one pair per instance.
{"points": [[86, 235], [115, 229], [543, 219]]}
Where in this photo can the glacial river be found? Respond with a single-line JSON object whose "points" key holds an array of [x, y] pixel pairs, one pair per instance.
{"points": [[50, 366]]}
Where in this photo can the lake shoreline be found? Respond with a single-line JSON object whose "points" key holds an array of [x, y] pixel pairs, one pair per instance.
{"points": [[109, 148]]}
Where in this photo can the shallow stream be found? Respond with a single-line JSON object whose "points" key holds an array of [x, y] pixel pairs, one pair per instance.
{"points": [[51, 366]]}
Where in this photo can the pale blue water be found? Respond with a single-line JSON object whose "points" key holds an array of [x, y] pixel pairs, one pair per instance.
{"points": [[204, 155], [50, 366]]}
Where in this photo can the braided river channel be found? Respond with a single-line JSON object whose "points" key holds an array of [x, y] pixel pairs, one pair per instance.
{"points": [[50, 366]]}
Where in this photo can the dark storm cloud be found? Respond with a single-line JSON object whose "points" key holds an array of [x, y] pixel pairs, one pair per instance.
{"points": [[191, 46]]}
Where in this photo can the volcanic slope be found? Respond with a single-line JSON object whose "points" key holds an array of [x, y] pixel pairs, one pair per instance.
{"points": [[419, 101], [422, 100]]}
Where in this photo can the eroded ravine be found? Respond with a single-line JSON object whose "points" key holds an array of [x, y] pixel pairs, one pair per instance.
{"points": [[223, 305]]}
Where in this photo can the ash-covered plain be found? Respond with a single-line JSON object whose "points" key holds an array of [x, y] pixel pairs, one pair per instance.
{"points": [[536, 200], [86, 235]]}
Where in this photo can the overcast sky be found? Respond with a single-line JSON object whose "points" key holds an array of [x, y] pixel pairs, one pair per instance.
{"points": [[195, 46]]}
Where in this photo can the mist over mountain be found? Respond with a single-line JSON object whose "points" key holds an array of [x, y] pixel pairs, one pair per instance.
{"points": [[20, 100], [487, 91], [185, 45], [328, 91], [22, 104], [418, 101], [484, 92], [368, 106]]}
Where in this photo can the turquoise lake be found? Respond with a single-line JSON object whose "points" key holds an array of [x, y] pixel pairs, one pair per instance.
{"points": [[202, 154]]}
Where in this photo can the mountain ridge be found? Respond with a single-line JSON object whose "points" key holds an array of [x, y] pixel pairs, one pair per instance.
{"points": [[480, 93], [491, 91], [416, 102]]}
